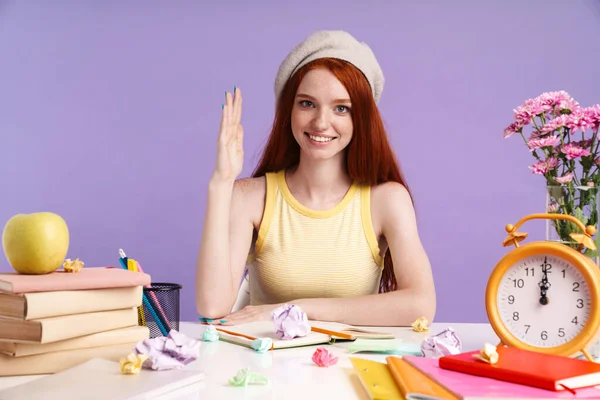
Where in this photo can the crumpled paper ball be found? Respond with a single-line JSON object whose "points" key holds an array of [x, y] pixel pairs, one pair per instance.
{"points": [[442, 344], [132, 364], [73, 265], [261, 345], [290, 322], [323, 358], [245, 377], [420, 325], [170, 352], [488, 354], [210, 334]]}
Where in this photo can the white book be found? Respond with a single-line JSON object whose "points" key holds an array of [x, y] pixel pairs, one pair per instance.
{"points": [[102, 379]]}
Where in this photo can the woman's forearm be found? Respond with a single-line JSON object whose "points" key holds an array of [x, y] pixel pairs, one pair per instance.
{"points": [[214, 277], [399, 308]]}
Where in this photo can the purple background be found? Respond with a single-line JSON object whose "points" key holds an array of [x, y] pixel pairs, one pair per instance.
{"points": [[109, 114]]}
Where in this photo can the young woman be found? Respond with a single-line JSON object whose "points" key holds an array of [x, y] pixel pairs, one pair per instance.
{"points": [[327, 208]]}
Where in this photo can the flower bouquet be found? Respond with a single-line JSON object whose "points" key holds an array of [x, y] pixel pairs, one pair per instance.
{"points": [[563, 139]]}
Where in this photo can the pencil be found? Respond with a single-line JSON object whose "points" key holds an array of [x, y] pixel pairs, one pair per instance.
{"points": [[331, 333], [162, 328], [132, 266]]}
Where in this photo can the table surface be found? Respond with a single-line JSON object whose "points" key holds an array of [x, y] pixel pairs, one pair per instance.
{"points": [[291, 372]]}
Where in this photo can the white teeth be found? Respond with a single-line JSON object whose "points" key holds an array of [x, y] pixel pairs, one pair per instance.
{"points": [[320, 139]]}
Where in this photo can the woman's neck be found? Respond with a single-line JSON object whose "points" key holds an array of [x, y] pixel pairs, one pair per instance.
{"points": [[319, 184]]}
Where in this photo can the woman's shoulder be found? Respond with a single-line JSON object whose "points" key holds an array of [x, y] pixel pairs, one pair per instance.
{"points": [[249, 196], [391, 197], [390, 192], [250, 187]]}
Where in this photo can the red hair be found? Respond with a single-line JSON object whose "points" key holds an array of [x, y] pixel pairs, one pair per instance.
{"points": [[369, 156]]}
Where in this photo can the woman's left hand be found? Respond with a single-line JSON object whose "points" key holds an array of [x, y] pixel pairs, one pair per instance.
{"points": [[249, 314]]}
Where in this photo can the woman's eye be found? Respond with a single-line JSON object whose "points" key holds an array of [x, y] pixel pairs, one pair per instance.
{"points": [[306, 103], [342, 109]]}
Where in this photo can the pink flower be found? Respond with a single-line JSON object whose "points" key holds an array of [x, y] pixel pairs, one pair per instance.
{"points": [[552, 207], [323, 358], [593, 115], [579, 121], [512, 129], [554, 124], [573, 150], [536, 142], [543, 166], [560, 99], [565, 178], [525, 113]]}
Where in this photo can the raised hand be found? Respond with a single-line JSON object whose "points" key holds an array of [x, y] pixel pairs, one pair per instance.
{"points": [[230, 151]]}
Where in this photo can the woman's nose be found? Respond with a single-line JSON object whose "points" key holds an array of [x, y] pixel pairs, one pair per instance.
{"points": [[321, 121]]}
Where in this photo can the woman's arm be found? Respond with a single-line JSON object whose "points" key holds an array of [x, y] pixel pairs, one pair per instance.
{"points": [[228, 223], [226, 240], [394, 213]]}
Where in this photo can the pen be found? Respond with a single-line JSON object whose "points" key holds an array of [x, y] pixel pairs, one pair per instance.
{"points": [[145, 300], [123, 256]]}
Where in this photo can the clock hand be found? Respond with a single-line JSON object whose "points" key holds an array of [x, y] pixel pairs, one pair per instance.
{"points": [[544, 284]]}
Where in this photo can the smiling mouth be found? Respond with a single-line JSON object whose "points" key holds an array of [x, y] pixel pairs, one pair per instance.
{"points": [[319, 139]]}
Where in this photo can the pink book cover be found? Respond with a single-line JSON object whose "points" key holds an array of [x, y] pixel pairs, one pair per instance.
{"points": [[467, 386], [86, 278]]}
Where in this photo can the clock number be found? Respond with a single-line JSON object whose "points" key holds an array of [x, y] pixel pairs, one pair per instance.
{"points": [[519, 283], [527, 328], [511, 299], [579, 303], [561, 332], [544, 335], [515, 316], [574, 320], [564, 273], [527, 271], [576, 286]]}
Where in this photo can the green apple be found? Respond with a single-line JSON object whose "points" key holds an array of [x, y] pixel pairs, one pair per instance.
{"points": [[36, 243]]}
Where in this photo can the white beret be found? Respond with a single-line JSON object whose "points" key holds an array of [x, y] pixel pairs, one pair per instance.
{"points": [[332, 44]]}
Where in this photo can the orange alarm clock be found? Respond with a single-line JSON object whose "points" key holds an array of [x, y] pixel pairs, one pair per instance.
{"points": [[545, 296]]}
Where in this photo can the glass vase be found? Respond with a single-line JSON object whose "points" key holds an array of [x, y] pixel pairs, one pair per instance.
{"points": [[580, 202]]}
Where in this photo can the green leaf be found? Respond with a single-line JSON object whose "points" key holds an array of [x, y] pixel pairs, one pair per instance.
{"points": [[586, 188]]}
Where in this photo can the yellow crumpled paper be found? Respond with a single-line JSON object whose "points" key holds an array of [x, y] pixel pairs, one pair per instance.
{"points": [[488, 354], [73, 265], [420, 325], [132, 364]]}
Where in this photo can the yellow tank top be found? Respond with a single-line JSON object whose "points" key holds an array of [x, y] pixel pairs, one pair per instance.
{"points": [[304, 253]]}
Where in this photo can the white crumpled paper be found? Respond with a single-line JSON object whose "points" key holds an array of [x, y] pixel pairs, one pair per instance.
{"points": [[170, 352], [444, 343]]}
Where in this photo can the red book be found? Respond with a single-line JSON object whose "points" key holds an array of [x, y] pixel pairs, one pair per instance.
{"points": [[545, 371]]}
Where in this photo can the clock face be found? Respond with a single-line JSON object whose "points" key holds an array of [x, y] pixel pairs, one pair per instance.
{"points": [[543, 300]]}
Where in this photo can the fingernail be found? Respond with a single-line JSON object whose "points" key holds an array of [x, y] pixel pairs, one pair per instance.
{"points": [[225, 94], [234, 88], [223, 321], [222, 106]]}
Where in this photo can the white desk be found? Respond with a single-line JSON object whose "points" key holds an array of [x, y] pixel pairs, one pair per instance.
{"points": [[291, 372]]}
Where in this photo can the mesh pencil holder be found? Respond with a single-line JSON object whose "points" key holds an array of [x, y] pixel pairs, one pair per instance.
{"points": [[160, 305]]}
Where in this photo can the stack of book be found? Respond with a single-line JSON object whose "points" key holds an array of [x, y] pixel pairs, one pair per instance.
{"points": [[518, 373], [52, 322]]}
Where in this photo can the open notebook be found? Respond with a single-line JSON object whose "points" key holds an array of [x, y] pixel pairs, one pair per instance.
{"points": [[321, 333]]}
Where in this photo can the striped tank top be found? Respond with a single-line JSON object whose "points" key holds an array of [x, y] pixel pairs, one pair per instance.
{"points": [[305, 253]]}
